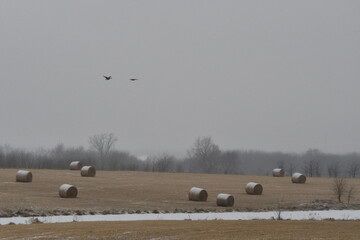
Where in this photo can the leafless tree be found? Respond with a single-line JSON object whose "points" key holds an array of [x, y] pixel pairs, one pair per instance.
{"points": [[280, 164], [2, 157], [339, 187], [312, 168], [354, 168], [205, 155], [279, 209], [334, 169], [230, 162], [317, 168], [290, 167], [102, 144], [118, 160], [58, 151], [164, 163]]}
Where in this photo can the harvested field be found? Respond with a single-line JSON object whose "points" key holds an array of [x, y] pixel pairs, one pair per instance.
{"points": [[123, 191], [281, 230]]}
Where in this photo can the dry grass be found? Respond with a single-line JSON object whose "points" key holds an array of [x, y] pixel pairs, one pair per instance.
{"points": [[116, 191], [280, 230], [138, 191]]}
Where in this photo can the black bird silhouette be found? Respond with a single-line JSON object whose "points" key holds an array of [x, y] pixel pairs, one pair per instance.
{"points": [[107, 78], [133, 79]]}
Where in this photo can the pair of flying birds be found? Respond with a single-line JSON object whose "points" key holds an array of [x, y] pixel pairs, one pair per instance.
{"points": [[109, 77]]}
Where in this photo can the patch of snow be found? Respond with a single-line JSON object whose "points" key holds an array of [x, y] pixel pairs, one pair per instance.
{"points": [[288, 215]]}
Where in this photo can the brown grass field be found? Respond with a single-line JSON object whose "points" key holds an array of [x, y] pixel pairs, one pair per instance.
{"points": [[123, 191], [117, 191], [170, 230]]}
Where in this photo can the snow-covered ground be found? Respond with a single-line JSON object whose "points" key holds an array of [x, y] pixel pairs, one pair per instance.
{"points": [[288, 215]]}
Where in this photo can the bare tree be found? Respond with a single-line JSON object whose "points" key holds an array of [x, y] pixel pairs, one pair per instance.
{"points": [[102, 144], [230, 162], [280, 164], [279, 209], [339, 187], [354, 168], [291, 167], [58, 151], [164, 163], [317, 168], [118, 160], [312, 168], [161, 163], [205, 155], [334, 169], [2, 157]]}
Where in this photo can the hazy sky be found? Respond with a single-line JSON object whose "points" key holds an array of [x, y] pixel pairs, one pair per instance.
{"points": [[261, 75]]}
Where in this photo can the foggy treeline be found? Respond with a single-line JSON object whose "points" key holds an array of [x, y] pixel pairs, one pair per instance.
{"points": [[203, 157]]}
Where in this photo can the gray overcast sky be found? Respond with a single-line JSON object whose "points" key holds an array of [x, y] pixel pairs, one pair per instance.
{"points": [[262, 75]]}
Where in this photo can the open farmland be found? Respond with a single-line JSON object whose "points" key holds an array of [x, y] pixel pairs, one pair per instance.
{"points": [[119, 191], [281, 230]]}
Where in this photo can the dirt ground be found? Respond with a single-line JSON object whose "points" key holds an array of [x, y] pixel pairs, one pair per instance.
{"points": [[124, 191], [205, 230]]}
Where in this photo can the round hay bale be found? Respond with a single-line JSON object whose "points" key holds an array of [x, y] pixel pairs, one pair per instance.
{"points": [[225, 200], [88, 171], [278, 172], [23, 176], [254, 188], [77, 165], [298, 178], [68, 191], [198, 194]]}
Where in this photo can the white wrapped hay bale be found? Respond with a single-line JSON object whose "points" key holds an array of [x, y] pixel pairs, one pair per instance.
{"points": [[68, 191], [198, 194], [225, 200], [254, 188], [23, 176], [278, 172], [298, 178], [76, 165], [88, 171]]}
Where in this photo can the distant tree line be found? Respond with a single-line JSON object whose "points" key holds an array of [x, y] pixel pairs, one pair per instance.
{"points": [[203, 157]]}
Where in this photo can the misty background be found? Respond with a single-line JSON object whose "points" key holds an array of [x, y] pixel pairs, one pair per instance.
{"points": [[203, 157], [269, 77]]}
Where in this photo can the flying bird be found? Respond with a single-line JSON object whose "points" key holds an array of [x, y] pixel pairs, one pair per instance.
{"points": [[107, 78], [133, 79]]}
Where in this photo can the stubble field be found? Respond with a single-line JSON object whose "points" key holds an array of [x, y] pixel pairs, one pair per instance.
{"points": [[123, 191], [187, 230]]}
